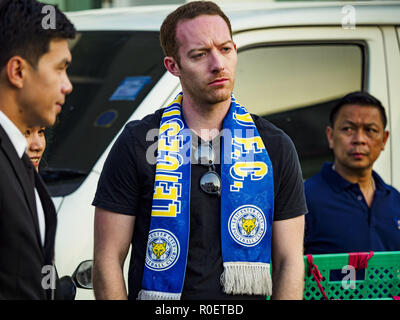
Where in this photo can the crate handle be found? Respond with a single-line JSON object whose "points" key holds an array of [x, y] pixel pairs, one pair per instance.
{"points": [[317, 275], [359, 260]]}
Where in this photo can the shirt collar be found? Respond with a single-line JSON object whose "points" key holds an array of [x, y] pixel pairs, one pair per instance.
{"points": [[380, 184], [338, 183], [17, 138], [335, 181]]}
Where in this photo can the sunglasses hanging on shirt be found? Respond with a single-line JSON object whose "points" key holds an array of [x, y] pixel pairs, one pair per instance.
{"points": [[210, 182]]}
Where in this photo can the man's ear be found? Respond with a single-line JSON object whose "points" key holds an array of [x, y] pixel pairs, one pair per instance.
{"points": [[385, 139], [172, 66], [16, 71], [329, 136]]}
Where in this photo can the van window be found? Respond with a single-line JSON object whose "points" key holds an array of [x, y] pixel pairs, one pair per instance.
{"points": [[296, 86], [111, 72]]}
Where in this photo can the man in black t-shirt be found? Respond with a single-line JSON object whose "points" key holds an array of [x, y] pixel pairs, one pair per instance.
{"points": [[199, 50]]}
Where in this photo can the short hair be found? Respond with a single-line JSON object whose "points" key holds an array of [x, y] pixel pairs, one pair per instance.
{"points": [[21, 31], [187, 11], [360, 98]]}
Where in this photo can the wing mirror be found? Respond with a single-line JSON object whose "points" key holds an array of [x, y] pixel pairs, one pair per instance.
{"points": [[82, 276]]}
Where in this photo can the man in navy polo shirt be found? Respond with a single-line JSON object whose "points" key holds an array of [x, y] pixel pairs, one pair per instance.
{"points": [[351, 209]]}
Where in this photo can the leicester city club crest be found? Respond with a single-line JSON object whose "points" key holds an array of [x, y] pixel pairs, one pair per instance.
{"points": [[247, 225], [162, 250]]}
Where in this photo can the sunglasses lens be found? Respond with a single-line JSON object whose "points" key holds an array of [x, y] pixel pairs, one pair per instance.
{"points": [[211, 183]]}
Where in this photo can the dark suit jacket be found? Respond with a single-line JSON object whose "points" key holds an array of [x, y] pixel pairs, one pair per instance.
{"points": [[22, 256]]}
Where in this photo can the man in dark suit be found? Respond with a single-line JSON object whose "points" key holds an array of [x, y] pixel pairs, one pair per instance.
{"points": [[34, 56]]}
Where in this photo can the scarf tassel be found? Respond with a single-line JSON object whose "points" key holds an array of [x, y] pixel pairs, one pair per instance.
{"points": [[158, 295], [247, 278]]}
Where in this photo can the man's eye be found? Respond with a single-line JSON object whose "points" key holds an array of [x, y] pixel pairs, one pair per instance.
{"points": [[198, 55], [371, 131]]}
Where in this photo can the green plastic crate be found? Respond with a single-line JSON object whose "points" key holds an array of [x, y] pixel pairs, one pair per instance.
{"points": [[381, 281]]}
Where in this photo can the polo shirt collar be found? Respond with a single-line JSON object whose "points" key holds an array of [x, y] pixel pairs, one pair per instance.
{"points": [[334, 180], [380, 184], [338, 183]]}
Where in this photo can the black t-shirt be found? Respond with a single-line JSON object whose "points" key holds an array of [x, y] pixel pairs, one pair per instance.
{"points": [[126, 186]]}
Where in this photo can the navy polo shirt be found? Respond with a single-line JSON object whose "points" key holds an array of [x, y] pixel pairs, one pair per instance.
{"points": [[339, 219]]}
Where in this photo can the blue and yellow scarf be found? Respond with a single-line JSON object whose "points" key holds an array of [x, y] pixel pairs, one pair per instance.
{"points": [[247, 200]]}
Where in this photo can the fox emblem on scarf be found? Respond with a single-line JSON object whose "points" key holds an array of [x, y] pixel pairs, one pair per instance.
{"points": [[159, 249], [248, 225]]}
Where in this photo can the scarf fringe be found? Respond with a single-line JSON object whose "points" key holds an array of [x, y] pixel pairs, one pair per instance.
{"points": [[157, 295], [252, 278]]}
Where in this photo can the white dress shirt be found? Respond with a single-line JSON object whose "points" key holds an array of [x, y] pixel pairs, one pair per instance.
{"points": [[20, 144]]}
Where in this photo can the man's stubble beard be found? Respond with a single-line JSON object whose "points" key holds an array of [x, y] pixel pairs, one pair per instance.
{"points": [[211, 97]]}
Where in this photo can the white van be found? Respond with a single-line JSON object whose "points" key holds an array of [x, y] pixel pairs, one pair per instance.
{"points": [[295, 61]]}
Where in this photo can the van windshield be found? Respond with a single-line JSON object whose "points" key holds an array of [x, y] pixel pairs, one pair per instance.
{"points": [[111, 74]]}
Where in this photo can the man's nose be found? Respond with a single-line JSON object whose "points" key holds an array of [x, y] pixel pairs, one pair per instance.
{"points": [[217, 61], [67, 86], [359, 136]]}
